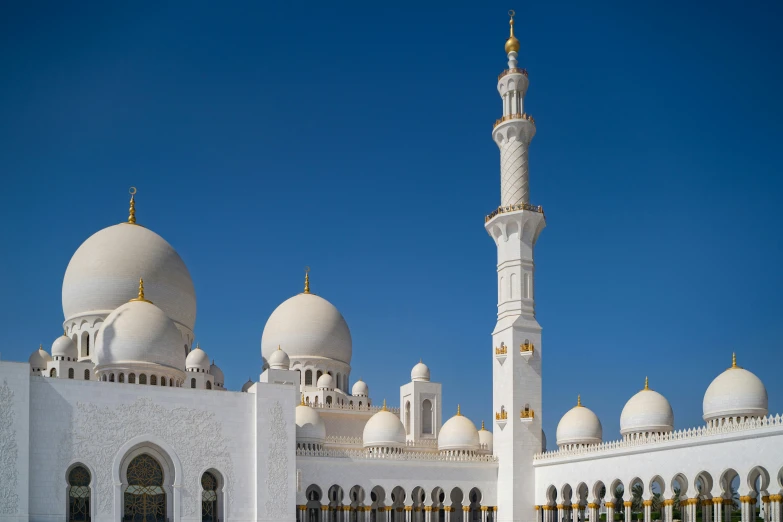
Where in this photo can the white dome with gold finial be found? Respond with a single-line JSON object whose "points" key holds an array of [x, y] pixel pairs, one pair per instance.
{"points": [[579, 426], [64, 348], [384, 429], [486, 439], [279, 360], [646, 412], [106, 268], [735, 393], [39, 359], [459, 434]]}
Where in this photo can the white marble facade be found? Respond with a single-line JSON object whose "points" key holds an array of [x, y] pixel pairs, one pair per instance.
{"points": [[123, 419]]}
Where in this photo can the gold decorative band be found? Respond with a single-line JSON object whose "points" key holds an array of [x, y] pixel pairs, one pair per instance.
{"points": [[627, 503], [647, 503]]}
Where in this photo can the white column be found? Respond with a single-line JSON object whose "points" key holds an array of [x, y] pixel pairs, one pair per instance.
{"points": [[717, 512], [775, 504], [610, 512], [575, 512], [627, 506], [560, 512], [448, 513], [647, 510], [427, 513]]}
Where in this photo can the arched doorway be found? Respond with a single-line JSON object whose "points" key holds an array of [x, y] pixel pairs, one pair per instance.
{"points": [[79, 494], [210, 508], [145, 498]]}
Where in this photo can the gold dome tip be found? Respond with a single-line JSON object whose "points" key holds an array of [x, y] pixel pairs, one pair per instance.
{"points": [[384, 406], [307, 280], [132, 210], [140, 297], [646, 383], [512, 44], [482, 426], [579, 401], [734, 361], [459, 414]]}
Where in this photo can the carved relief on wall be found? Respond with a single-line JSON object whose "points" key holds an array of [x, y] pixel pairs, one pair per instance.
{"points": [[277, 464], [9, 498]]}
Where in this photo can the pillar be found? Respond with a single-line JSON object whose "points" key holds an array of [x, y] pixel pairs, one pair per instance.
{"points": [[775, 502], [609, 511], [717, 512], [744, 508], [465, 514], [427, 513], [483, 513], [647, 510], [447, 509], [575, 512], [560, 512], [706, 510], [627, 505], [300, 513], [593, 512]]}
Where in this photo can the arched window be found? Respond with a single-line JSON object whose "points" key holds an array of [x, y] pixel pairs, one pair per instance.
{"points": [[86, 375], [193, 382], [318, 376], [426, 417], [121, 378], [329, 400], [142, 379], [209, 385], [145, 498], [87, 346], [309, 378], [111, 377], [53, 373], [79, 495], [70, 373], [153, 380], [209, 498], [163, 381], [315, 402], [131, 378], [407, 417]]}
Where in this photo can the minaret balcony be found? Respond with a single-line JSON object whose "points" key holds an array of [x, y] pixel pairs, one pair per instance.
{"points": [[527, 349], [515, 70], [514, 208], [501, 418], [517, 116], [501, 353], [527, 415]]}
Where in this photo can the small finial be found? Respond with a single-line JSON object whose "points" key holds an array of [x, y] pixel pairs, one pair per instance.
{"points": [[420, 360], [734, 360], [646, 383], [307, 280], [459, 414], [512, 44], [303, 402], [579, 400], [40, 346], [132, 210], [384, 406], [198, 346], [482, 426], [65, 334], [140, 297], [278, 346]]}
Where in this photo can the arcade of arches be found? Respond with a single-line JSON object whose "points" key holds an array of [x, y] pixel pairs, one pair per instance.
{"points": [[396, 506]]}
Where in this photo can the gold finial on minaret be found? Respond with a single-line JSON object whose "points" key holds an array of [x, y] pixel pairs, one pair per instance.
{"points": [[384, 406], [132, 210], [578, 401], [512, 44], [307, 280], [646, 383], [140, 297], [459, 413]]}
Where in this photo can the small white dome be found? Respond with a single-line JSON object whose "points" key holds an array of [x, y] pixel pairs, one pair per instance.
{"points": [[579, 426], [139, 332], [279, 360], [104, 273], [197, 360], [735, 393], [64, 346], [249, 384], [360, 389], [459, 433], [310, 428], [486, 438], [420, 372], [308, 326], [384, 429], [217, 373], [325, 382], [39, 358], [647, 412]]}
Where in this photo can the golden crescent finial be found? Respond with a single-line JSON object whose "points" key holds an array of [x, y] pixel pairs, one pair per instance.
{"points": [[307, 280], [132, 209], [512, 44]]}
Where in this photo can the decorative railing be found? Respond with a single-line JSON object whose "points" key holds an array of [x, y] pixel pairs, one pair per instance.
{"points": [[424, 444], [517, 116], [526, 348], [501, 415], [527, 414], [515, 70], [502, 350], [363, 454], [514, 208], [354, 407], [671, 437]]}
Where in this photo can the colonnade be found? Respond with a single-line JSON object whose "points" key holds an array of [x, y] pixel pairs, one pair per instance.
{"points": [[392, 514]]}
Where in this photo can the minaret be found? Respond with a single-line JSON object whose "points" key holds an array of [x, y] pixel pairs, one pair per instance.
{"points": [[516, 350]]}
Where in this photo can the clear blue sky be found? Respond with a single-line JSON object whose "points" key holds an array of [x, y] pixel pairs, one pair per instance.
{"points": [[357, 141]]}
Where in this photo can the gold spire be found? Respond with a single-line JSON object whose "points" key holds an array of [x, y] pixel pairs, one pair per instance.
{"points": [[65, 334], [734, 361], [459, 414], [384, 406], [141, 295], [278, 346], [646, 383], [303, 402], [578, 401], [512, 44], [132, 210], [307, 280], [482, 426]]}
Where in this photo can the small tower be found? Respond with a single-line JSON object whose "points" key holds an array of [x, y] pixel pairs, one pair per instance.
{"points": [[516, 351], [420, 405]]}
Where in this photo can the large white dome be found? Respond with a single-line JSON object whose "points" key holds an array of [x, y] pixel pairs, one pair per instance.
{"points": [[459, 433], [310, 428], [308, 326], [579, 426], [139, 335], [384, 429], [647, 412], [735, 393], [105, 270]]}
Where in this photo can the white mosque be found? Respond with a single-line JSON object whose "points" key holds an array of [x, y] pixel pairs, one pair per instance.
{"points": [[123, 420]]}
